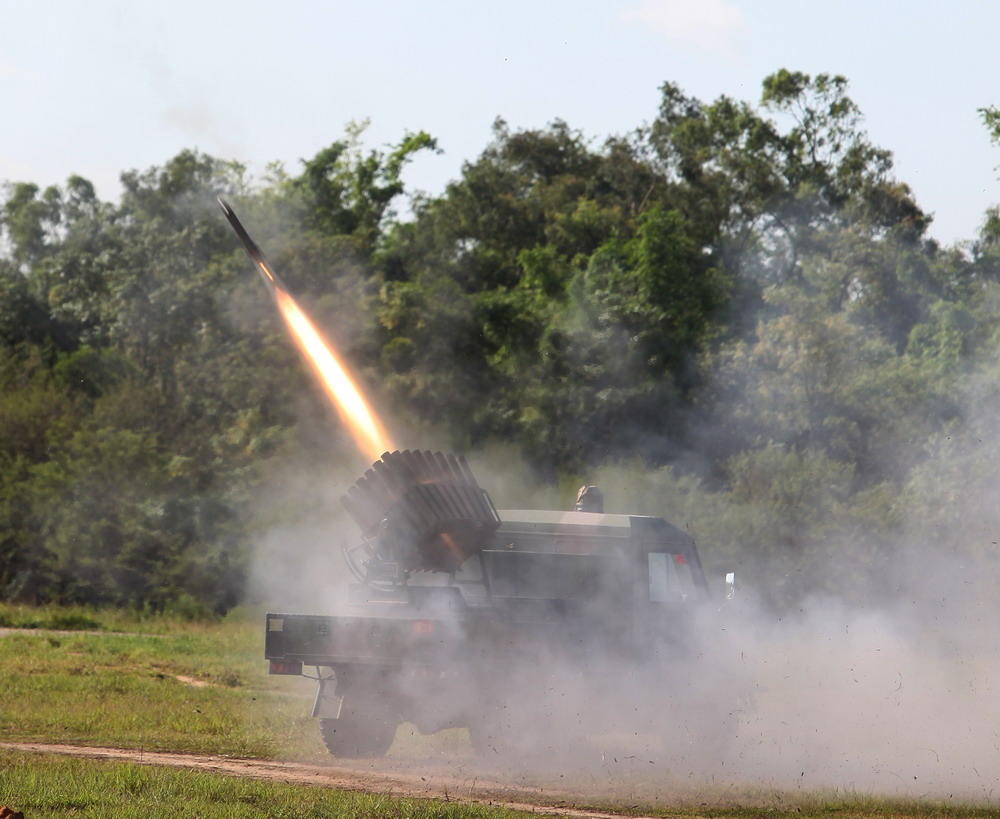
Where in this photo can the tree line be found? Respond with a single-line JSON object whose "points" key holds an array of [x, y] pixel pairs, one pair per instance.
{"points": [[735, 310]]}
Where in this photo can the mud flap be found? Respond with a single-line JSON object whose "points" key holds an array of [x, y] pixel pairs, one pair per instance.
{"points": [[328, 704]]}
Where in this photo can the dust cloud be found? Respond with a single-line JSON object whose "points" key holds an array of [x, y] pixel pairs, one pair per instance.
{"points": [[886, 701], [889, 688]]}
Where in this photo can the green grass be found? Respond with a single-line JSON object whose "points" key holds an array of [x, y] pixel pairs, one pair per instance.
{"points": [[150, 683], [82, 618], [44, 786]]}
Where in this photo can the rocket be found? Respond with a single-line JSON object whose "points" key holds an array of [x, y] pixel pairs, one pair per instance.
{"points": [[256, 256]]}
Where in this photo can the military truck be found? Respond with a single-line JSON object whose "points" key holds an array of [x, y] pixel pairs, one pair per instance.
{"points": [[516, 624]]}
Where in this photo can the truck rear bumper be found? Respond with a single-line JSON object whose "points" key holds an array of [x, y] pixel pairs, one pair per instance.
{"points": [[317, 640]]}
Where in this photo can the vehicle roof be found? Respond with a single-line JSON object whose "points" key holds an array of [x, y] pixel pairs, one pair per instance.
{"points": [[590, 524]]}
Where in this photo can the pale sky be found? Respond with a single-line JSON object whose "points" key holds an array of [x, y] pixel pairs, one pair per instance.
{"points": [[100, 87]]}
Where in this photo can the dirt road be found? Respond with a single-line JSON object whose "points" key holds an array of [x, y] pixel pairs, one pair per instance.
{"points": [[445, 783]]}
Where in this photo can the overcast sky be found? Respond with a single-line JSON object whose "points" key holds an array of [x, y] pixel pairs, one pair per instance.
{"points": [[99, 87]]}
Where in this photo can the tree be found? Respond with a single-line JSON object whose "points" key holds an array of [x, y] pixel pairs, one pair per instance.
{"points": [[29, 221], [759, 194], [348, 193]]}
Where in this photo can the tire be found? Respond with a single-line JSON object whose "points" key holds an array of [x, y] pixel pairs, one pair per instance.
{"points": [[358, 735]]}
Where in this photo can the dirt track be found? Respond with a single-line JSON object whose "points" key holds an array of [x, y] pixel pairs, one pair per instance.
{"points": [[375, 777]]}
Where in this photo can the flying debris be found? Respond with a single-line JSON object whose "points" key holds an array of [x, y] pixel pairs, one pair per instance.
{"points": [[256, 256]]}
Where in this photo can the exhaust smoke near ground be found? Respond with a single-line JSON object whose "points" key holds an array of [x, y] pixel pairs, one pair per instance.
{"points": [[888, 688], [864, 701], [875, 701], [885, 701]]}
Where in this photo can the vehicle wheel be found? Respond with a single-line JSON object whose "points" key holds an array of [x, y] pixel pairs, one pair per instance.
{"points": [[358, 735]]}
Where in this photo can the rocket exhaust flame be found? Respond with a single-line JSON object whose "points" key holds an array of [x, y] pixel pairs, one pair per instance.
{"points": [[368, 433]]}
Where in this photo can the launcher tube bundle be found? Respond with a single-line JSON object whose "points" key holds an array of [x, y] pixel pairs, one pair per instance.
{"points": [[425, 508]]}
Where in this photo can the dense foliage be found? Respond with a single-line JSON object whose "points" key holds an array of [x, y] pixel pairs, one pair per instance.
{"points": [[734, 313]]}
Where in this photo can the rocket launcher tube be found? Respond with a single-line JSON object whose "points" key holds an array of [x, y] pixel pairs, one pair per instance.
{"points": [[436, 510]]}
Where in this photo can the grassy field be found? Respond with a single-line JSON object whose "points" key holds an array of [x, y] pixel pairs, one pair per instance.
{"points": [[46, 787], [43, 786], [148, 683], [164, 684]]}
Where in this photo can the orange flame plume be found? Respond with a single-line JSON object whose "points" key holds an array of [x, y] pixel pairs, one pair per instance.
{"points": [[354, 410]]}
